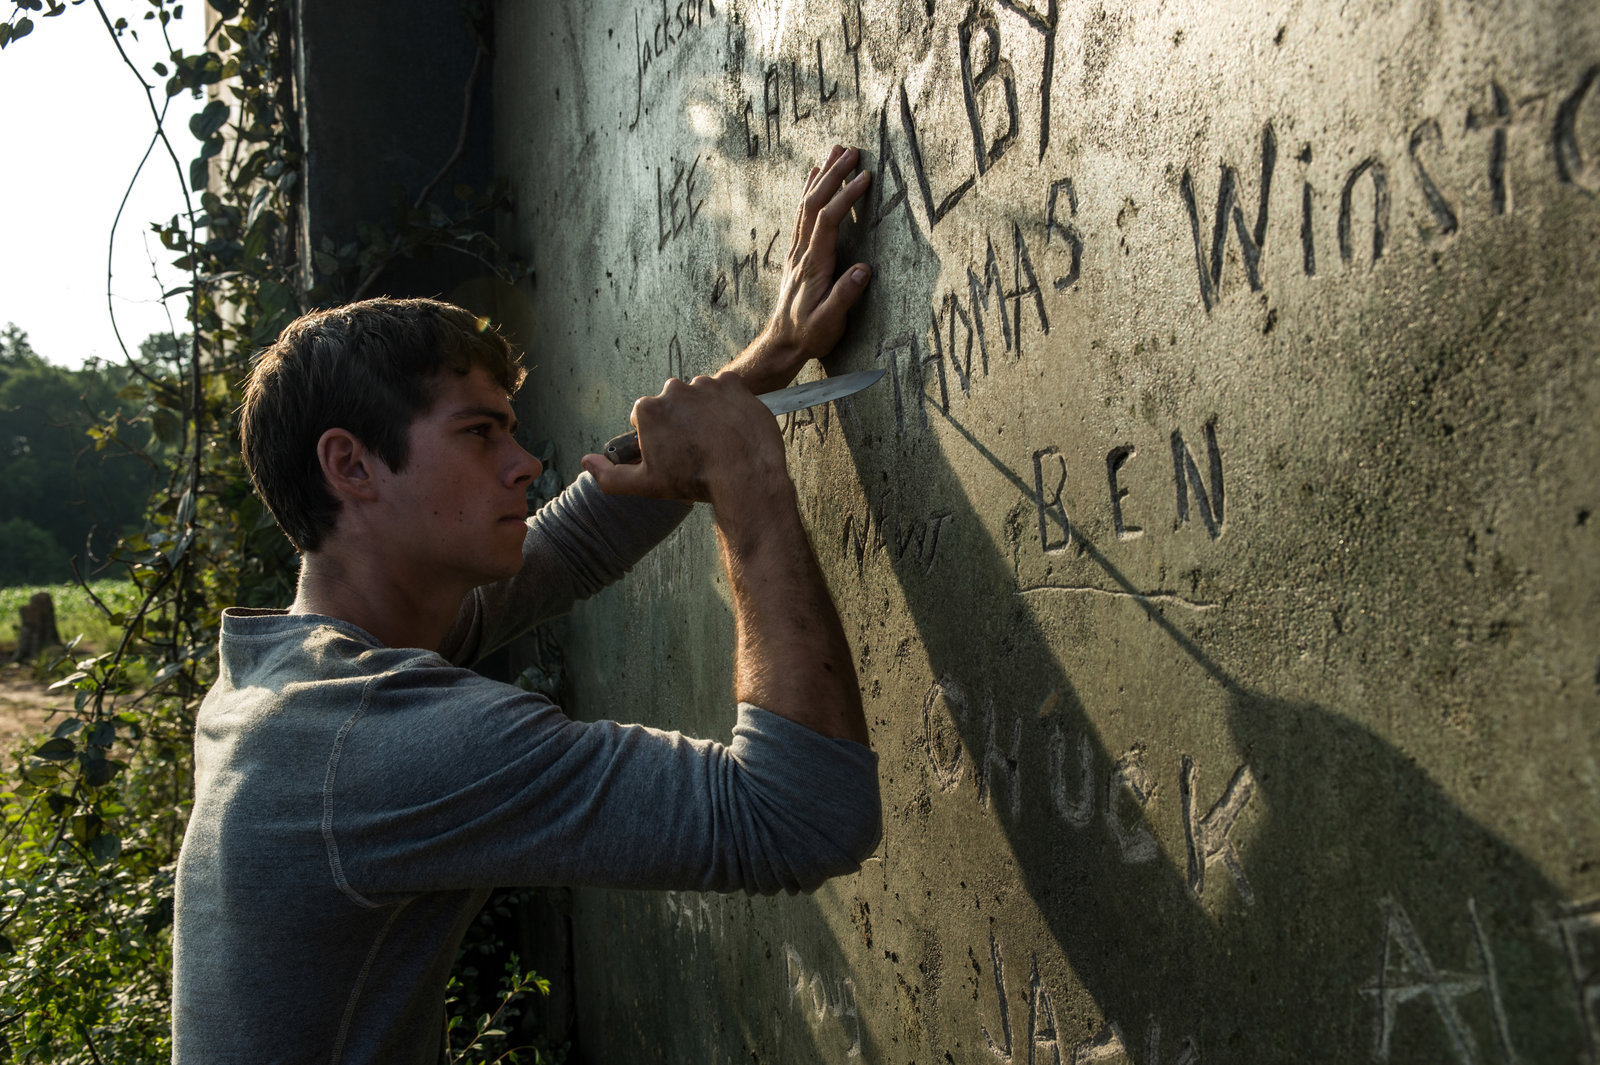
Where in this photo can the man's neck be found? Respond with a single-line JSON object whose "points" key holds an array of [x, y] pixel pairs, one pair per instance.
{"points": [[364, 592]]}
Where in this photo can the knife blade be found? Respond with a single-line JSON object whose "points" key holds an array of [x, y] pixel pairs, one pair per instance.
{"points": [[624, 450]]}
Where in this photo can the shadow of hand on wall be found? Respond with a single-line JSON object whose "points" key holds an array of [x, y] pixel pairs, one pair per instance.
{"points": [[1330, 901]]}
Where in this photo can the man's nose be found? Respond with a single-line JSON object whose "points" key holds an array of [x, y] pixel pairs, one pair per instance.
{"points": [[527, 468]]}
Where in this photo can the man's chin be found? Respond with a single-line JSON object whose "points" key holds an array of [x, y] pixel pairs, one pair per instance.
{"points": [[503, 572]]}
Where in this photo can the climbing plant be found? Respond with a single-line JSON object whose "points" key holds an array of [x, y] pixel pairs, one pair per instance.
{"points": [[93, 820]]}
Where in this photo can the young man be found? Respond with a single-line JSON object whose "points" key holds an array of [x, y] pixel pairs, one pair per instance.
{"points": [[358, 792]]}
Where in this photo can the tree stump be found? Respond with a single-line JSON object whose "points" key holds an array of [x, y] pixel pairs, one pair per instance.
{"points": [[37, 629]]}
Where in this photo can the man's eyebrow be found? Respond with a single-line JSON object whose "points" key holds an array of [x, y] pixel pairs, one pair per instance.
{"points": [[495, 414]]}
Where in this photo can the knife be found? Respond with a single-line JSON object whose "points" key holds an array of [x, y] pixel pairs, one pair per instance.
{"points": [[624, 450]]}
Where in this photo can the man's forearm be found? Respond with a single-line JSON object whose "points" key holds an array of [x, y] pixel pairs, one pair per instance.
{"points": [[766, 365], [708, 440], [791, 658]]}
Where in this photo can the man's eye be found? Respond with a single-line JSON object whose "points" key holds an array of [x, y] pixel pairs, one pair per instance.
{"points": [[481, 430]]}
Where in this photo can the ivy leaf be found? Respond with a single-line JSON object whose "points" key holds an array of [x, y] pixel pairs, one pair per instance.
{"points": [[165, 673], [160, 69], [106, 847], [262, 197], [274, 298], [166, 425], [226, 9], [21, 28], [56, 750], [67, 682], [255, 244], [208, 68], [199, 174], [209, 120], [180, 548], [98, 770]]}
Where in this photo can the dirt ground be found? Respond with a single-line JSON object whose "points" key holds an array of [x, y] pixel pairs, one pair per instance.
{"points": [[26, 706]]}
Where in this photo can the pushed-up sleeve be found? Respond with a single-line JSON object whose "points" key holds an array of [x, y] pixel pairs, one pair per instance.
{"points": [[577, 544], [525, 795]]}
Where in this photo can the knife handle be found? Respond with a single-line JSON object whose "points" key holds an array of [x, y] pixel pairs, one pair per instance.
{"points": [[623, 450]]}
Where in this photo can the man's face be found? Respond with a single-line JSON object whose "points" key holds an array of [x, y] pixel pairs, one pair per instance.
{"points": [[458, 507]]}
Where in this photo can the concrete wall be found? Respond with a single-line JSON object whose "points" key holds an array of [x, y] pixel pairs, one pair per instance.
{"points": [[1221, 556]]}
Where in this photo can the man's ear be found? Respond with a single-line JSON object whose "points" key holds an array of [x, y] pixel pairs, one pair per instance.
{"points": [[348, 465]]}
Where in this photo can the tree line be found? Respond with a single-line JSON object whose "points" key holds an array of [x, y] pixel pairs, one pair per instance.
{"points": [[76, 472]]}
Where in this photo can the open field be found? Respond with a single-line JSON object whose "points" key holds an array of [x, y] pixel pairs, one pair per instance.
{"points": [[75, 611]]}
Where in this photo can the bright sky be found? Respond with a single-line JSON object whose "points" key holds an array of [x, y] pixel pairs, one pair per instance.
{"points": [[73, 129]]}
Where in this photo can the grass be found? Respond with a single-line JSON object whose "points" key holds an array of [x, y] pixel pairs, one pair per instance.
{"points": [[75, 611]]}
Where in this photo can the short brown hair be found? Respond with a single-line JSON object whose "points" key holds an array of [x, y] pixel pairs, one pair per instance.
{"points": [[366, 367]]}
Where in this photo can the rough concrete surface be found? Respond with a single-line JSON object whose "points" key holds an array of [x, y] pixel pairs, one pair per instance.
{"points": [[1220, 555]]}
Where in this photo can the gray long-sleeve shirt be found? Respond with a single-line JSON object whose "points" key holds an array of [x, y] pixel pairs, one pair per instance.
{"points": [[354, 804]]}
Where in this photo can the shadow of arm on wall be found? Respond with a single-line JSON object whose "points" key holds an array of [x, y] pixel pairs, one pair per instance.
{"points": [[1366, 915]]}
